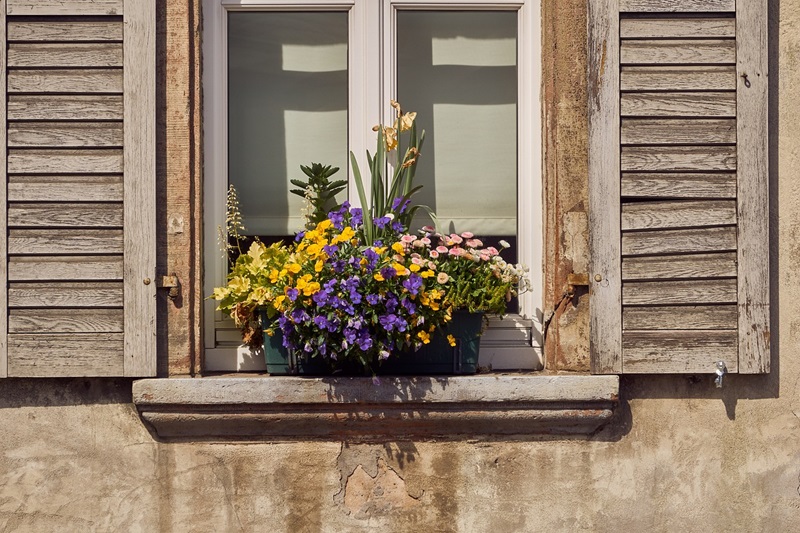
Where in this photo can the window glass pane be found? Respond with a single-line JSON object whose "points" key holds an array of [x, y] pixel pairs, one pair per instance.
{"points": [[287, 106], [458, 70]]}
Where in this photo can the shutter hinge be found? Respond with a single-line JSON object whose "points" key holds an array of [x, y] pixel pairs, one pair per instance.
{"points": [[172, 283], [576, 280]]}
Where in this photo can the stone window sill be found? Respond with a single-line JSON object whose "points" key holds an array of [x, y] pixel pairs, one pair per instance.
{"points": [[358, 408]]}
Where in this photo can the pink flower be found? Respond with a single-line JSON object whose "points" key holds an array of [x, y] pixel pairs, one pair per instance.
{"points": [[434, 254], [428, 229], [491, 250], [456, 251], [456, 238], [417, 260], [467, 235], [407, 239], [474, 243], [419, 244], [442, 277], [426, 241], [442, 249], [485, 256]]}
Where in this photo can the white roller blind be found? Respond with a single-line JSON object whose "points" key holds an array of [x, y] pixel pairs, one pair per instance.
{"points": [[287, 97], [458, 70]]}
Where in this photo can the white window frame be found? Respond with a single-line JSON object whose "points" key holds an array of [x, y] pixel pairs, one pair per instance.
{"points": [[368, 105]]}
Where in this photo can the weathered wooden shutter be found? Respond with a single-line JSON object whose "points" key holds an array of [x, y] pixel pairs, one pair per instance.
{"points": [[78, 206], [679, 185]]}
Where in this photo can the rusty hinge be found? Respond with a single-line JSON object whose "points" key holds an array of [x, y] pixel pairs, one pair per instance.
{"points": [[576, 280], [172, 283]]}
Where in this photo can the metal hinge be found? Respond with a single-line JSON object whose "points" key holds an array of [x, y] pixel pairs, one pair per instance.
{"points": [[576, 280], [172, 283]]}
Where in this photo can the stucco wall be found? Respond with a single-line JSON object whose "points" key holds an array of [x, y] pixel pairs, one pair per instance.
{"points": [[680, 456]]}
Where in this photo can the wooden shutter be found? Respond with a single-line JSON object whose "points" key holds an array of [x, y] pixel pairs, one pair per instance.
{"points": [[78, 205], [679, 186]]}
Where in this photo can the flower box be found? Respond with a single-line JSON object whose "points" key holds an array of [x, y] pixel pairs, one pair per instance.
{"points": [[437, 357]]}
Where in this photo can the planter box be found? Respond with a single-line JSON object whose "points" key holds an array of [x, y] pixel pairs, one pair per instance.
{"points": [[437, 357]]}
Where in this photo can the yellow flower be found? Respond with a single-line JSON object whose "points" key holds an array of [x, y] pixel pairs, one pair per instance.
{"points": [[347, 234], [401, 270], [318, 265], [294, 268], [390, 138], [377, 276], [311, 289], [413, 267], [451, 340], [426, 273], [424, 337], [398, 247], [325, 224], [406, 120], [278, 302]]}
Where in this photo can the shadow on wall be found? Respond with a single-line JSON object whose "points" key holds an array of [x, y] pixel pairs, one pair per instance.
{"points": [[49, 392]]}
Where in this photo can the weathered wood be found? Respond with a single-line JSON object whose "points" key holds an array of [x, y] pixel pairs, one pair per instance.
{"points": [[64, 241], [680, 317], [715, 291], [64, 55], [668, 352], [672, 158], [65, 134], [679, 241], [695, 27], [722, 265], [65, 268], [678, 214], [678, 131], [73, 354], [94, 188], [671, 51], [3, 197], [684, 104], [41, 215], [69, 107], [54, 161], [604, 168], [140, 188], [94, 294], [678, 78], [65, 31], [65, 7], [65, 321], [679, 185], [65, 81], [657, 6], [753, 174]]}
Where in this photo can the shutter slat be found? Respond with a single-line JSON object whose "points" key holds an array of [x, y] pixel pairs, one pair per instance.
{"points": [[678, 78], [65, 31], [654, 28], [94, 294], [721, 265], [667, 51], [718, 291], [70, 107], [672, 6], [94, 188], [66, 268], [679, 185], [61, 355], [681, 214], [678, 131], [65, 135], [680, 317], [65, 7], [65, 55], [56, 161], [65, 320], [64, 241], [705, 104], [679, 241], [64, 215], [65, 81], [672, 158], [675, 352]]}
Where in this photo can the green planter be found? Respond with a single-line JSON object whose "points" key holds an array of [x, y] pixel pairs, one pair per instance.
{"points": [[437, 357]]}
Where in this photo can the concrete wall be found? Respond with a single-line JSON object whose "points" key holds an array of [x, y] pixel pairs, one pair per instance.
{"points": [[680, 456]]}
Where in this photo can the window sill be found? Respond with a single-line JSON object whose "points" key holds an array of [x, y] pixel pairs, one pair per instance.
{"points": [[356, 408]]}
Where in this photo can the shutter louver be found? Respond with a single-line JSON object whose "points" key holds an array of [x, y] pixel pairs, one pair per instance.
{"points": [[79, 202], [679, 186]]}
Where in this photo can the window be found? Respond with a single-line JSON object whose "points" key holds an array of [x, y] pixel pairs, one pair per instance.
{"points": [[290, 83]]}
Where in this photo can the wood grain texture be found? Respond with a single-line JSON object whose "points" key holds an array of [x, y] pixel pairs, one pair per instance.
{"points": [[688, 351], [62, 215], [65, 81], [65, 31], [64, 55], [91, 295], [671, 51], [678, 78], [679, 185], [65, 268], [57, 161], [64, 241], [65, 321], [680, 317], [694, 27], [3, 197], [69, 107], [65, 134], [679, 241], [692, 266], [676, 158], [753, 173], [65, 7], [692, 292], [140, 187], [678, 214], [75, 354], [689, 6], [678, 131], [682, 104], [35, 188], [604, 186]]}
